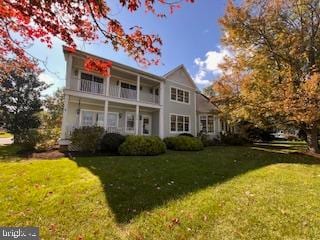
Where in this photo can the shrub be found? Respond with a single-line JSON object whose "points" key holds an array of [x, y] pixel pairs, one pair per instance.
{"points": [[111, 142], [28, 140], [292, 138], [48, 138], [87, 138], [233, 140], [208, 140], [186, 134], [142, 146], [183, 143], [259, 134]]}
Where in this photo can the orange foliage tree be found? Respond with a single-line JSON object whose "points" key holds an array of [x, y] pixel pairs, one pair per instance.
{"points": [[272, 75], [24, 21]]}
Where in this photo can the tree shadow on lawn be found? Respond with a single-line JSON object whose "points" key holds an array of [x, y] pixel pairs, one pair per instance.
{"points": [[133, 185]]}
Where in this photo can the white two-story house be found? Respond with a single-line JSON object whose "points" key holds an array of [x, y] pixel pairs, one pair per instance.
{"points": [[131, 101]]}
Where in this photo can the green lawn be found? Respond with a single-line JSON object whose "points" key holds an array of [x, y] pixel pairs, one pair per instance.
{"points": [[219, 193], [5, 135]]}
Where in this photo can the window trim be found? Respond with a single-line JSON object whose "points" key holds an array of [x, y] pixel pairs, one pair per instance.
{"points": [[182, 115], [207, 121], [184, 90], [91, 73], [126, 123], [87, 110], [117, 113], [141, 124]]}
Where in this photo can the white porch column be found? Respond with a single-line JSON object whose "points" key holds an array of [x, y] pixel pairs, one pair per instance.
{"points": [[106, 106], [137, 120], [219, 125], [107, 85], [215, 132], [138, 88], [69, 71], [64, 117], [161, 123], [161, 94]]}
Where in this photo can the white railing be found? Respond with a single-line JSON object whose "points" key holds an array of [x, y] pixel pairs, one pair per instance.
{"points": [[149, 98], [113, 91], [91, 87], [116, 91], [114, 130], [69, 130]]}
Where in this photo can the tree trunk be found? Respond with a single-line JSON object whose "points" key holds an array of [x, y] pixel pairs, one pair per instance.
{"points": [[312, 139]]}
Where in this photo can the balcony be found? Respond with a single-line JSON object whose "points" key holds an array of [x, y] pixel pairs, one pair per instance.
{"points": [[116, 91], [91, 87], [125, 93]]}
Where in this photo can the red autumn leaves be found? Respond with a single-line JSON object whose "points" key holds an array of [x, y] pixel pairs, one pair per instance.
{"points": [[97, 65], [23, 22]]}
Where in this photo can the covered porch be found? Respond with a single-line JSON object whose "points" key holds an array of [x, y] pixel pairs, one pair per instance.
{"points": [[114, 117]]}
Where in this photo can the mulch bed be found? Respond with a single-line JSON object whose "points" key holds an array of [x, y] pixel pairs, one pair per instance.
{"points": [[51, 154], [55, 154], [311, 154]]}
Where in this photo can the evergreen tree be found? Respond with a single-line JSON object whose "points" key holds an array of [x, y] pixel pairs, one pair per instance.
{"points": [[20, 102]]}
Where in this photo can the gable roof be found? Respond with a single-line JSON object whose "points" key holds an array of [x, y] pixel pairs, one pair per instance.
{"points": [[181, 67], [114, 63], [204, 105]]}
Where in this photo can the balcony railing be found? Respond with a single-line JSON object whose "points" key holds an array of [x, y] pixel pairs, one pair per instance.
{"points": [[116, 91], [91, 87], [149, 98]]}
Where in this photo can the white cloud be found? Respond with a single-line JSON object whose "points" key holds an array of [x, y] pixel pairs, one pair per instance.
{"points": [[44, 77], [209, 65]]}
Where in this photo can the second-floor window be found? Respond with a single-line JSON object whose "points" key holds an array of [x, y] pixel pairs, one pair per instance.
{"points": [[90, 77], [91, 83], [179, 95]]}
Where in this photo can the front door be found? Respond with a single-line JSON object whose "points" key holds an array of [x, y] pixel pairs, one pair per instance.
{"points": [[146, 125]]}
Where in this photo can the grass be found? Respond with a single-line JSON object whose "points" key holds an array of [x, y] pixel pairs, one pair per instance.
{"points": [[5, 135], [218, 193]]}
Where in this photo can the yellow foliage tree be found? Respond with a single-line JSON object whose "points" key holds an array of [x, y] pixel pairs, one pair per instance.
{"points": [[272, 75]]}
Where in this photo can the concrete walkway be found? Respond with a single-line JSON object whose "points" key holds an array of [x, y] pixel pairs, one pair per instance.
{"points": [[5, 141]]}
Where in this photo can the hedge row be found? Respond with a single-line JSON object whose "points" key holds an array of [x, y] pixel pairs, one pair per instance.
{"points": [[92, 139], [183, 143]]}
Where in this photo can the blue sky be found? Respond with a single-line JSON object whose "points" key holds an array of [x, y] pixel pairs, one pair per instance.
{"points": [[191, 36]]}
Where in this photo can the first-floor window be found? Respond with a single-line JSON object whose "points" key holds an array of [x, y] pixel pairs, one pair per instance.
{"points": [[179, 123], [186, 124], [173, 123], [91, 118], [210, 123], [112, 119], [130, 117], [203, 123], [207, 123]]}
